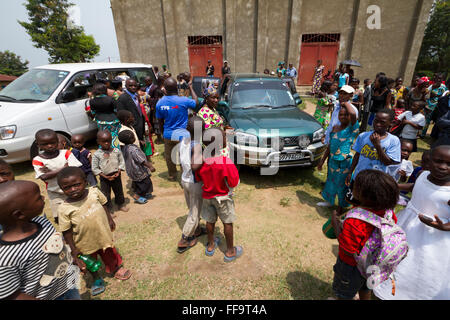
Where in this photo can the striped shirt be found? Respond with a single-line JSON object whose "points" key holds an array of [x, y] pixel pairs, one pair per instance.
{"points": [[25, 267]]}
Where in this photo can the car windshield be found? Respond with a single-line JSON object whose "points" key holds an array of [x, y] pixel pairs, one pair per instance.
{"points": [[35, 85], [260, 93]]}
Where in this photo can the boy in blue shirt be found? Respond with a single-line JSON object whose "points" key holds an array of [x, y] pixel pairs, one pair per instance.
{"points": [[375, 149], [172, 113]]}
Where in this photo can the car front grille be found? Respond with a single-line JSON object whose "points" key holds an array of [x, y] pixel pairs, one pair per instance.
{"points": [[290, 141]]}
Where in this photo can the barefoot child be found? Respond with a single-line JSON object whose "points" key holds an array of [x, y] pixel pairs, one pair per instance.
{"points": [[218, 174], [87, 225], [423, 274], [84, 156], [137, 168], [34, 261], [108, 163], [48, 164], [376, 193]]}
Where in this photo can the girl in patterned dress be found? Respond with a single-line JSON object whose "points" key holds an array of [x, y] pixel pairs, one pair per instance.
{"points": [[324, 105]]}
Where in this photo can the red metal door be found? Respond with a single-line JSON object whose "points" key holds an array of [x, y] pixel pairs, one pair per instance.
{"points": [[310, 53], [199, 56]]}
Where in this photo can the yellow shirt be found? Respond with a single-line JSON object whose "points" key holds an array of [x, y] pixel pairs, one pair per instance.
{"points": [[88, 220]]}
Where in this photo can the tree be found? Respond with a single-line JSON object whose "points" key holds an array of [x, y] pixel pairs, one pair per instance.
{"points": [[435, 51], [11, 64], [48, 29]]}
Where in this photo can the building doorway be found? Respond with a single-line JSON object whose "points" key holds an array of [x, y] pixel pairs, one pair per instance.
{"points": [[204, 48], [315, 47]]}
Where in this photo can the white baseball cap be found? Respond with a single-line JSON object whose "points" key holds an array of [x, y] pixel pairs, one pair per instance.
{"points": [[347, 89]]}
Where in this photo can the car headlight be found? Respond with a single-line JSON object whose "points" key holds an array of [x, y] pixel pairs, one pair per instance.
{"points": [[318, 135], [7, 132], [246, 139], [303, 141]]}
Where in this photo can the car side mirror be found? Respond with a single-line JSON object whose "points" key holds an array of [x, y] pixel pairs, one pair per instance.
{"points": [[223, 105], [67, 96]]}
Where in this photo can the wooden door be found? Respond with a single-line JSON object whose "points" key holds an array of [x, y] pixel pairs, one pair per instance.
{"points": [[199, 56], [310, 53]]}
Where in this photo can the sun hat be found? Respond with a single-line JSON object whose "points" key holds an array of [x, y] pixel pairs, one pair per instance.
{"points": [[347, 89]]}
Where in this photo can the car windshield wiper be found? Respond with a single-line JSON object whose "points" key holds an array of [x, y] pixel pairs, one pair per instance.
{"points": [[3, 96], [284, 106], [30, 100], [258, 106]]}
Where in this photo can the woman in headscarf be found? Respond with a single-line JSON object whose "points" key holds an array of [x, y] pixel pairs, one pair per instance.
{"points": [[208, 112]]}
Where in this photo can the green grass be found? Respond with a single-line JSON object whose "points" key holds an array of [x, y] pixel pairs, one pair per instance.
{"points": [[286, 256]]}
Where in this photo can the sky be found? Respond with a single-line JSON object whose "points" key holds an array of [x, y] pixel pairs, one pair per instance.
{"points": [[94, 15]]}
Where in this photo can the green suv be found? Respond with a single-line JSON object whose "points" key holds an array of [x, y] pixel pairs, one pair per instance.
{"points": [[270, 130]]}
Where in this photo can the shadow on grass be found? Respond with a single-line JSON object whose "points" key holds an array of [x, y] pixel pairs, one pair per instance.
{"points": [[303, 286], [306, 198], [284, 177]]}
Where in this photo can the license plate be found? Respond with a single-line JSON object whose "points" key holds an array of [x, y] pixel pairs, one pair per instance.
{"points": [[291, 156]]}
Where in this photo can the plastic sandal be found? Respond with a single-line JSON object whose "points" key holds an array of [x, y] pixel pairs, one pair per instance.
{"points": [[216, 243], [141, 200], [97, 287], [239, 252]]}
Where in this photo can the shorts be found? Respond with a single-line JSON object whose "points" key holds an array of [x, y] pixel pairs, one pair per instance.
{"points": [[221, 206], [347, 280], [143, 187]]}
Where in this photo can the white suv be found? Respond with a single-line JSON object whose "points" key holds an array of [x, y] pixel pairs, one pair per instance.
{"points": [[53, 96]]}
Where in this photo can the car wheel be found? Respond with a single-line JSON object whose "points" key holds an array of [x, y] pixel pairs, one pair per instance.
{"points": [[34, 150]]}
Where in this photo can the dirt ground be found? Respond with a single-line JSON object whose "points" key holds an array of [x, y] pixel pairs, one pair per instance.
{"points": [[286, 256]]}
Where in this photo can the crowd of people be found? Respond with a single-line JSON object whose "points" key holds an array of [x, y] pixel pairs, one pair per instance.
{"points": [[380, 122]]}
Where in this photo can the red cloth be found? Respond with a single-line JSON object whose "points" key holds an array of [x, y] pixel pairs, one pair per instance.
{"points": [[149, 127], [354, 235], [110, 257], [213, 174]]}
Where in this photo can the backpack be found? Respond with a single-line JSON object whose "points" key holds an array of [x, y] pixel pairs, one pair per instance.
{"points": [[383, 251]]}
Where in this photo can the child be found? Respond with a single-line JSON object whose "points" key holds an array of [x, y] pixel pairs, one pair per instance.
{"points": [[48, 164], [84, 156], [423, 274], [413, 122], [137, 167], [190, 158], [34, 261], [108, 163], [87, 225], [367, 83], [63, 144], [6, 173], [218, 174], [424, 166], [324, 105], [397, 127], [147, 143], [358, 96], [400, 172], [375, 149], [126, 119], [376, 192]]}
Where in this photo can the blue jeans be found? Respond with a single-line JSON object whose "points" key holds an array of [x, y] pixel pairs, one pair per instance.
{"points": [[72, 294]]}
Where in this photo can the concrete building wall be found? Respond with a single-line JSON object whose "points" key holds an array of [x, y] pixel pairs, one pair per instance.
{"points": [[259, 33]]}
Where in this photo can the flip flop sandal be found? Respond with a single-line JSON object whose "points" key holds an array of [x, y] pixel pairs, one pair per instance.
{"points": [[123, 276], [141, 200], [239, 252], [97, 287], [216, 243], [191, 244]]}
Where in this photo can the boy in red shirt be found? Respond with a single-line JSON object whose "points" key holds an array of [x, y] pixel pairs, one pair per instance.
{"points": [[377, 192], [218, 174]]}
